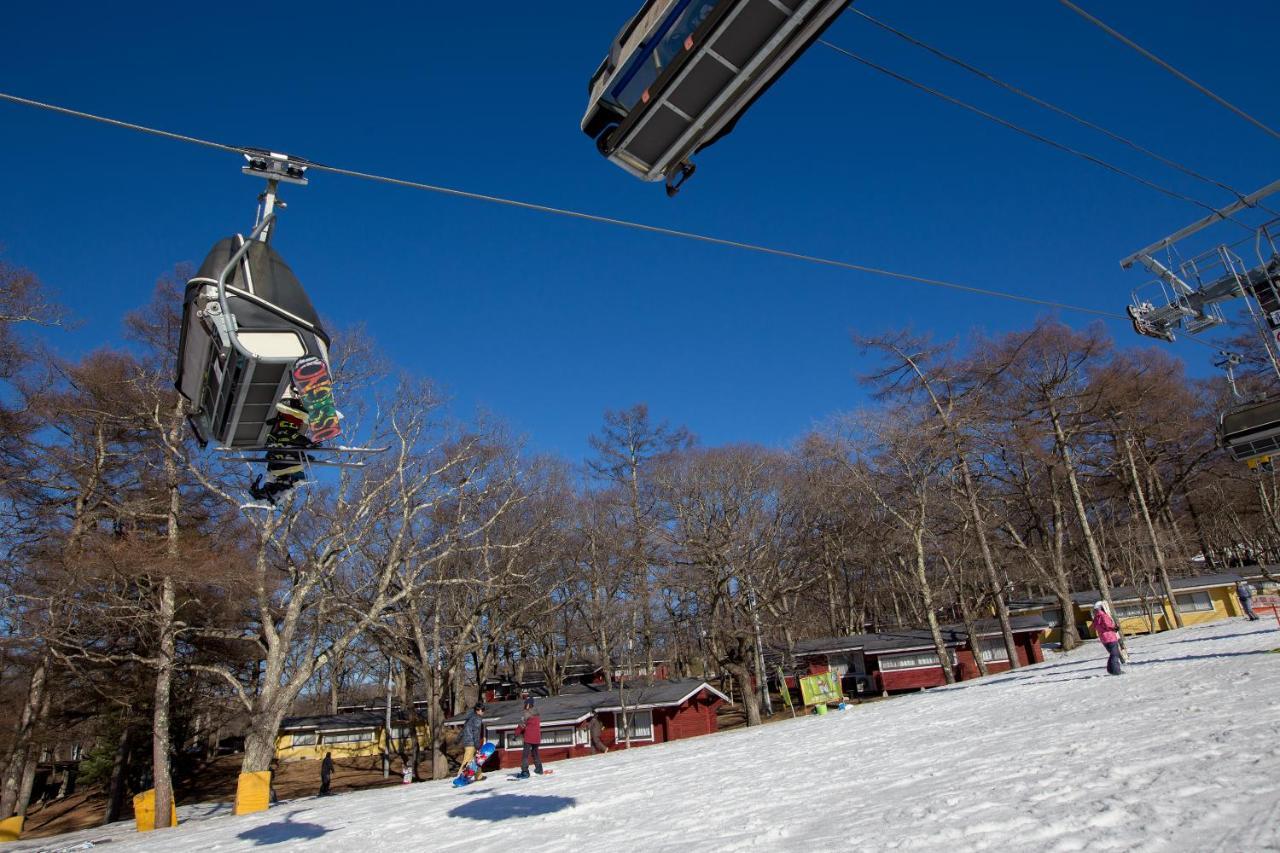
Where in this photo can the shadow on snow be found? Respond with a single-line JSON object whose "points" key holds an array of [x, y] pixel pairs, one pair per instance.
{"points": [[282, 831], [504, 806]]}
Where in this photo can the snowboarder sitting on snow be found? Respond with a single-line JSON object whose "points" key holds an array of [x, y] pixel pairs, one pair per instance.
{"points": [[1105, 627], [285, 468], [1245, 592], [472, 732], [530, 731]]}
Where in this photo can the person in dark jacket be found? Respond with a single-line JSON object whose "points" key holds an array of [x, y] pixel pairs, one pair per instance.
{"points": [[596, 728], [530, 731], [1245, 592], [326, 773], [472, 738]]}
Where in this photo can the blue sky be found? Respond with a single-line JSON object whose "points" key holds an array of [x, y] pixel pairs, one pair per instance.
{"points": [[548, 322]]}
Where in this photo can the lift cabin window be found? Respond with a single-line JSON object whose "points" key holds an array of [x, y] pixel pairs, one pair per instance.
{"points": [[657, 51]]}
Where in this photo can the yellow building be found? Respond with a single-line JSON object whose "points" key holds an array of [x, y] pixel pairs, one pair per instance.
{"points": [[1205, 598], [1048, 609], [356, 733]]}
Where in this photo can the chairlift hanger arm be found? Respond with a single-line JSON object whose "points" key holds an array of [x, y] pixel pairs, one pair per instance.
{"points": [[1251, 200]]}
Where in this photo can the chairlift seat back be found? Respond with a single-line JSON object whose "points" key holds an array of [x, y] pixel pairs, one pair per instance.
{"points": [[234, 367]]}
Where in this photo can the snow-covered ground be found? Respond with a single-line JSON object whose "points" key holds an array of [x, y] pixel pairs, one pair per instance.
{"points": [[1181, 753]]}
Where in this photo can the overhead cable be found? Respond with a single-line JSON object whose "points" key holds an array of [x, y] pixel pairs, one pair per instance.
{"points": [[1031, 134], [1009, 87], [1167, 67], [579, 215]]}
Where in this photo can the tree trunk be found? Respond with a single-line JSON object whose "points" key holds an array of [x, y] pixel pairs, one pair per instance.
{"points": [[260, 740], [750, 697], [1140, 494], [116, 789], [993, 578], [1077, 498], [160, 723], [24, 732], [926, 596]]}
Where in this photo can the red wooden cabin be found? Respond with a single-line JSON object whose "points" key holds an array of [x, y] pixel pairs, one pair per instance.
{"points": [[656, 712]]}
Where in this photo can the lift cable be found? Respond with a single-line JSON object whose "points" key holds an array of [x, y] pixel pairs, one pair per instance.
{"points": [[991, 78], [1167, 67], [579, 215], [1174, 194]]}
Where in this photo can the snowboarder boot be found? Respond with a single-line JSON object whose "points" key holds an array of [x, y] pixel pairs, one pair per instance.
{"points": [[523, 774]]}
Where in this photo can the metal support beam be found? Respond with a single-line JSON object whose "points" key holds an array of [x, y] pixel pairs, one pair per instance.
{"points": [[1215, 217]]}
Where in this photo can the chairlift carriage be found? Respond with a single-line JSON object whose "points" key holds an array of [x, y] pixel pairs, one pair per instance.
{"points": [[252, 354], [1188, 296], [682, 72]]}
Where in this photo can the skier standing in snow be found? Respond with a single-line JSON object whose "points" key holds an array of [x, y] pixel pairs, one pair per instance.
{"points": [[530, 731], [1245, 593], [472, 734], [326, 773], [1109, 635], [597, 734]]}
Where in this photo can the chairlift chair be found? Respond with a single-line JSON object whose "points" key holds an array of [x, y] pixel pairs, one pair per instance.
{"points": [[682, 72], [246, 320], [1251, 431]]}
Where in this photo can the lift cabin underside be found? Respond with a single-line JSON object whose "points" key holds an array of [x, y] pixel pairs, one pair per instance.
{"points": [[1251, 431], [246, 320], [682, 72]]}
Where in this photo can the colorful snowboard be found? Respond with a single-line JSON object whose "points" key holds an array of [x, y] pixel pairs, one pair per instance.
{"points": [[472, 767], [311, 378]]}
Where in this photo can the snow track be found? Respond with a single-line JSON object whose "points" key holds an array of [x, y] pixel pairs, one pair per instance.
{"points": [[1181, 753]]}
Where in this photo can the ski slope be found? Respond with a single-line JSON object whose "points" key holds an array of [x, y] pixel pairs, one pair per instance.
{"points": [[1181, 753]]}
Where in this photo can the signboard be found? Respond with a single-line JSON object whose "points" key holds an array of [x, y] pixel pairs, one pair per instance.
{"points": [[821, 688]]}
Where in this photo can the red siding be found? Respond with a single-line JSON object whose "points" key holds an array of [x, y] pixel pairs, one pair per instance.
{"points": [[698, 716], [911, 679]]}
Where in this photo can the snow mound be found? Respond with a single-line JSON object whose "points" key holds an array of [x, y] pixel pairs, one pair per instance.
{"points": [[1179, 753]]}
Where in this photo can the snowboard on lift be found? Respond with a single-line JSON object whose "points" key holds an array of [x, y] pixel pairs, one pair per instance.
{"points": [[472, 768], [315, 385]]}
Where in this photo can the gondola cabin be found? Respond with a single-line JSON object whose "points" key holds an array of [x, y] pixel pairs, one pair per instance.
{"points": [[245, 321], [1251, 431], [682, 72]]}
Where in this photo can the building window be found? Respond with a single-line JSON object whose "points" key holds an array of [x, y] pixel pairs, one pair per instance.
{"points": [[304, 739], [550, 737], [401, 732], [1132, 611], [639, 726], [912, 660], [355, 736], [1195, 601], [993, 649]]}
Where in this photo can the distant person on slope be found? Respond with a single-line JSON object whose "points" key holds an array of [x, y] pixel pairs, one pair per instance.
{"points": [[530, 731], [472, 735], [1105, 627], [1245, 593], [326, 773], [596, 728]]}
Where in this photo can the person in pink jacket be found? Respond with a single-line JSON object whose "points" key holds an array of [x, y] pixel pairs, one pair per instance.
{"points": [[1109, 635]]}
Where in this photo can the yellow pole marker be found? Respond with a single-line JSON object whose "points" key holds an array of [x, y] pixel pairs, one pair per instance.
{"points": [[253, 792]]}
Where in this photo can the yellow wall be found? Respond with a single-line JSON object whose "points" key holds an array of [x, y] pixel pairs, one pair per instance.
{"points": [[1225, 605], [286, 751]]}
